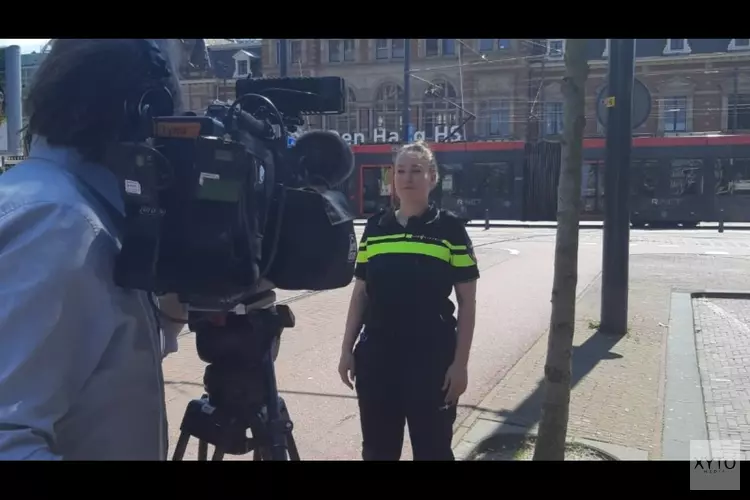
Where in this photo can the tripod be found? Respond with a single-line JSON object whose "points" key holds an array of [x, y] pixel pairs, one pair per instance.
{"points": [[240, 384]]}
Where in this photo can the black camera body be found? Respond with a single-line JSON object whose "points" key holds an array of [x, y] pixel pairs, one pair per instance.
{"points": [[219, 208]]}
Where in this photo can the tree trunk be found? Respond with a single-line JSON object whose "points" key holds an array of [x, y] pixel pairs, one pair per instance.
{"points": [[553, 425]]}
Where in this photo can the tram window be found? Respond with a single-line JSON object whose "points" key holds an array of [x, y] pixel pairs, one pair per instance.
{"points": [[686, 178], [448, 174], [645, 178], [496, 178], [732, 176]]}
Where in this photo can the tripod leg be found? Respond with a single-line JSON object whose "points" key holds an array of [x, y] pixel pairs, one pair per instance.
{"points": [[202, 450], [181, 446], [292, 446]]}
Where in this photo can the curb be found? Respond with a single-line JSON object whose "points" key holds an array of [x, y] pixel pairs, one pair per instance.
{"points": [[484, 428]]}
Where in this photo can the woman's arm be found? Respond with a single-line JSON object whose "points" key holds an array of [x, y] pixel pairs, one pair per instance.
{"points": [[354, 317], [466, 294]]}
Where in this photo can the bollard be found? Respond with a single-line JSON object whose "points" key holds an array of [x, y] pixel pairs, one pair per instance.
{"points": [[721, 221], [486, 219]]}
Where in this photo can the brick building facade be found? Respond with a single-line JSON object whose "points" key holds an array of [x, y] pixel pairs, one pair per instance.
{"points": [[512, 86]]}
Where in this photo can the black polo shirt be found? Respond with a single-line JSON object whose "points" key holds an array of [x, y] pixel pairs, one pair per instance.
{"points": [[410, 271]]}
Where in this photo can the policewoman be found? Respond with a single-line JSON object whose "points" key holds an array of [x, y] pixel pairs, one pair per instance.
{"points": [[410, 362]]}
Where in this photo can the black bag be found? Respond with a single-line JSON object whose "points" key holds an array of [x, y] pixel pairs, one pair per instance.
{"points": [[317, 245]]}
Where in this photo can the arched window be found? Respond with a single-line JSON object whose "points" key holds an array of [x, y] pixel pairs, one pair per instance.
{"points": [[346, 123], [439, 107], [388, 103]]}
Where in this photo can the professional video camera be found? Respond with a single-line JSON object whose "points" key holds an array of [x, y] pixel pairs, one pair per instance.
{"points": [[221, 209]]}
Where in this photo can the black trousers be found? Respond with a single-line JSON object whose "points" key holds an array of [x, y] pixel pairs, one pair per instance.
{"points": [[399, 380]]}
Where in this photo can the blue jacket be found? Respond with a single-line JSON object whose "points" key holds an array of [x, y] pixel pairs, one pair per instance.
{"points": [[80, 358]]}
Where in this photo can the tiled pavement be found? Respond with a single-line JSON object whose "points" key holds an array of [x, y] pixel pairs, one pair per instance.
{"points": [[722, 336], [617, 396]]}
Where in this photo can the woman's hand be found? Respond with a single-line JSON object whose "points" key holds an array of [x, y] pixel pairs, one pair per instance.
{"points": [[456, 381], [346, 368]]}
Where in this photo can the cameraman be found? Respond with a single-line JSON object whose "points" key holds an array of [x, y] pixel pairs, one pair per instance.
{"points": [[80, 358]]}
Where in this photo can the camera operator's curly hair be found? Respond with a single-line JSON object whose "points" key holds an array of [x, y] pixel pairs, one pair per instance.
{"points": [[77, 95]]}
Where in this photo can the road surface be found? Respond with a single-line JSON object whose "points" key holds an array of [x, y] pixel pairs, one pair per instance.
{"points": [[516, 266]]}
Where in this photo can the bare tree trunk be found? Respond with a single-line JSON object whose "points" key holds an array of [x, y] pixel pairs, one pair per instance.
{"points": [[553, 425]]}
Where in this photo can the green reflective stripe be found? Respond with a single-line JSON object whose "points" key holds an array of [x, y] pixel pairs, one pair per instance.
{"points": [[362, 257], [410, 247], [462, 261]]}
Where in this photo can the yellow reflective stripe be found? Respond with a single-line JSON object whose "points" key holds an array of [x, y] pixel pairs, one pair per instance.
{"points": [[462, 261], [410, 247]]}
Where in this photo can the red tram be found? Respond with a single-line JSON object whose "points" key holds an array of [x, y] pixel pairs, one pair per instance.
{"points": [[674, 180]]}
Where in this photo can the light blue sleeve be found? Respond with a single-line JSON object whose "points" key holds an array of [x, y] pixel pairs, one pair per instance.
{"points": [[56, 320]]}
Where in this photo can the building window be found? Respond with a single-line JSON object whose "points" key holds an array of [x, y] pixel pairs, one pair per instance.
{"points": [[675, 114], [439, 108], [431, 47], [387, 112], [677, 46], [503, 43], [381, 48], [738, 117], [349, 50], [346, 123], [553, 118], [434, 47], [243, 68], [494, 118], [739, 44], [555, 48], [397, 48], [449, 46], [295, 51], [486, 44], [334, 50]]}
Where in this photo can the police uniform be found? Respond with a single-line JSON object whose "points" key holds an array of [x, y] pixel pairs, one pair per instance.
{"points": [[409, 336]]}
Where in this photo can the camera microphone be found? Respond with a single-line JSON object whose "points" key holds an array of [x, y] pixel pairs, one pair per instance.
{"points": [[322, 156]]}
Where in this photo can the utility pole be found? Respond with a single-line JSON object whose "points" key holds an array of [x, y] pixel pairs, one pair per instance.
{"points": [[615, 257], [735, 117], [406, 118], [283, 47], [13, 99]]}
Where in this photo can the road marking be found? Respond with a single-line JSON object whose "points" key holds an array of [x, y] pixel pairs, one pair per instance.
{"points": [[715, 252], [589, 243], [511, 251], [668, 246]]}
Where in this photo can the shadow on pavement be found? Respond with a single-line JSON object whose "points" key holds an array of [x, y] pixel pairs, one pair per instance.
{"points": [[517, 423]]}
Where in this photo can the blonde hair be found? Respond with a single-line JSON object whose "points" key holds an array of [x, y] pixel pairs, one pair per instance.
{"points": [[421, 150]]}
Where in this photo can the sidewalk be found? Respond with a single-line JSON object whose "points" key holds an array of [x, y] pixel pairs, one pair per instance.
{"points": [[617, 399]]}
